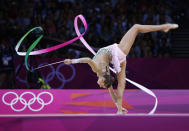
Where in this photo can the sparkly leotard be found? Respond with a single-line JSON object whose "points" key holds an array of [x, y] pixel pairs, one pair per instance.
{"points": [[116, 53]]}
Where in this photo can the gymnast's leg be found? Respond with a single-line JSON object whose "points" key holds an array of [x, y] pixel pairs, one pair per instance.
{"points": [[129, 38]]}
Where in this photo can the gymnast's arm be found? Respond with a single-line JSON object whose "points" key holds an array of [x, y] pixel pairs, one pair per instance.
{"points": [[113, 95], [121, 87], [82, 60], [114, 98]]}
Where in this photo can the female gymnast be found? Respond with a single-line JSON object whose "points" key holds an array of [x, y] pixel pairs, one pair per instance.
{"points": [[116, 54]]}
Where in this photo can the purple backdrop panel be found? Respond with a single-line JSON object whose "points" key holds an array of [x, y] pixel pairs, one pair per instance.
{"points": [[159, 73], [152, 73]]}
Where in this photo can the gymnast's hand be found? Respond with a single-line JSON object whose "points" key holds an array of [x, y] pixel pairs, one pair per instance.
{"points": [[123, 110], [68, 61]]}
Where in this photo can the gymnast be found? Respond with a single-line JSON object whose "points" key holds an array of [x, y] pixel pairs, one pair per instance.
{"points": [[116, 54]]}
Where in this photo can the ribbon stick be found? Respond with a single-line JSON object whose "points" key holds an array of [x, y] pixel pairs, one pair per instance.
{"points": [[132, 82]]}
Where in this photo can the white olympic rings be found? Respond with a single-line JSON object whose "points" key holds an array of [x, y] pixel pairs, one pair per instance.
{"points": [[25, 103]]}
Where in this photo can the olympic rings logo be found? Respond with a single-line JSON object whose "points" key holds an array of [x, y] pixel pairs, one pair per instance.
{"points": [[53, 73], [24, 101]]}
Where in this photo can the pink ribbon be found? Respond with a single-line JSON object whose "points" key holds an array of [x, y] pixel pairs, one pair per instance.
{"points": [[42, 51]]}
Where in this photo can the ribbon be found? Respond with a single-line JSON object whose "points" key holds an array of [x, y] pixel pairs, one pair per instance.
{"points": [[79, 36], [42, 51]]}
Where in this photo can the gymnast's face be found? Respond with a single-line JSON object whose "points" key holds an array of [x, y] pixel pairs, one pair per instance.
{"points": [[101, 81]]}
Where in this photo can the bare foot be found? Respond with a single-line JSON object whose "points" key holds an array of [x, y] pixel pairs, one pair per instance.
{"points": [[170, 26]]}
